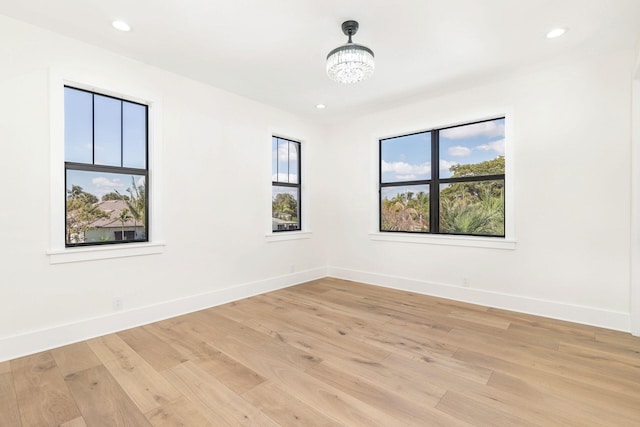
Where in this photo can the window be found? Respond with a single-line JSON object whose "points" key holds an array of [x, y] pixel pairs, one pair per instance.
{"points": [[106, 172], [445, 181], [285, 184]]}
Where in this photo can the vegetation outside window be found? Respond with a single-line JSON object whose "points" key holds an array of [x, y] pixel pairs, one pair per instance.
{"points": [[445, 181], [106, 172], [285, 184]]}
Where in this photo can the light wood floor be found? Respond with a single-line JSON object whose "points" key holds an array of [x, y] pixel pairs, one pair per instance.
{"points": [[328, 353]]}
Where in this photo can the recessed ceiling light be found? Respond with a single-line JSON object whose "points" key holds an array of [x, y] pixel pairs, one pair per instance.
{"points": [[321, 106], [556, 32], [121, 25]]}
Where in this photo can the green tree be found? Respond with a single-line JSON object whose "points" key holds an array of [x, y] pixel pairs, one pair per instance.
{"points": [[474, 207], [404, 212], [284, 206], [136, 203], [82, 210], [125, 216], [114, 195]]}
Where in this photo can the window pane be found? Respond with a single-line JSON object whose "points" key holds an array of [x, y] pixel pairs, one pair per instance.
{"points": [[103, 207], [274, 159], [283, 161], [107, 138], [285, 208], [472, 150], [78, 126], [134, 135], [406, 158], [405, 208], [293, 162], [475, 208]]}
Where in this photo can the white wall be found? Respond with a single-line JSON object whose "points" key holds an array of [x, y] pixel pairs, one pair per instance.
{"points": [[215, 187], [571, 147]]}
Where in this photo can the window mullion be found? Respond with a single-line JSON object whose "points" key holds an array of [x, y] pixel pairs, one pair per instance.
{"points": [[121, 133], [434, 190], [93, 129]]}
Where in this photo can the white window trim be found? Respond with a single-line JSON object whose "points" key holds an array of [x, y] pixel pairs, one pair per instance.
{"points": [[507, 242], [305, 224], [57, 251]]}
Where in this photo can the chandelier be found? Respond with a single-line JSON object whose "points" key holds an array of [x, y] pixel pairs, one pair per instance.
{"points": [[351, 62]]}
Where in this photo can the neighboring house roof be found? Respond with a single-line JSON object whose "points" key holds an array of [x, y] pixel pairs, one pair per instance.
{"points": [[113, 209]]}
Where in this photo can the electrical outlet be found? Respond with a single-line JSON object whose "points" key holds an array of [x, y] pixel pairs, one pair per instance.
{"points": [[465, 282], [118, 302], [292, 268]]}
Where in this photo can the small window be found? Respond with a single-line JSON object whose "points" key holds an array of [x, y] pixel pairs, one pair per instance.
{"points": [[445, 181], [106, 172], [286, 185]]}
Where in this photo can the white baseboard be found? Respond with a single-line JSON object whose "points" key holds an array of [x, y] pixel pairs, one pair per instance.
{"points": [[45, 339], [573, 313]]}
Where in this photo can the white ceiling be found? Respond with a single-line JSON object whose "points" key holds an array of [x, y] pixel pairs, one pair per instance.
{"points": [[274, 51]]}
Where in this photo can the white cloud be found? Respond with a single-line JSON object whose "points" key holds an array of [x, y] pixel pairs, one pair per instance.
{"points": [[102, 182], [283, 177], [287, 150], [445, 164], [459, 151], [409, 177], [403, 168], [488, 129], [140, 182], [497, 146]]}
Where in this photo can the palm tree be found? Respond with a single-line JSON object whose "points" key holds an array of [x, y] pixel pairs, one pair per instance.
{"points": [[136, 203], [125, 216]]}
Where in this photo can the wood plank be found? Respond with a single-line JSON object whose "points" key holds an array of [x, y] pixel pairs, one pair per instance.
{"points": [[404, 410], [9, 413], [334, 352], [43, 397], [572, 367], [337, 347], [594, 350], [234, 375], [286, 410], [569, 409], [324, 398], [475, 413], [102, 401], [158, 353], [178, 413], [213, 399], [76, 422], [144, 385], [551, 391], [74, 358]]}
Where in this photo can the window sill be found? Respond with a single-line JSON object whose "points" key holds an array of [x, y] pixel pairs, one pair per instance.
{"points": [[468, 241], [287, 235], [91, 253]]}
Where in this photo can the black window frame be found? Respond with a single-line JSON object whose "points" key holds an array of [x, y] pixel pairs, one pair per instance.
{"points": [[434, 183], [93, 167], [287, 184]]}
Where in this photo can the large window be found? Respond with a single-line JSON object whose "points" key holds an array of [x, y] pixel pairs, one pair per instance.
{"points": [[286, 184], [106, 172], [445, 181]]}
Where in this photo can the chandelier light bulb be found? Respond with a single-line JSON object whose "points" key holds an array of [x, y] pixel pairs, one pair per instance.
{"points": [[351, 62]]}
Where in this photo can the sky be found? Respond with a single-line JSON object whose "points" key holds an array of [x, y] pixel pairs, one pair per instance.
{"points": [[408, 158], [100, 183], [112, 131], [284, 160]]}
